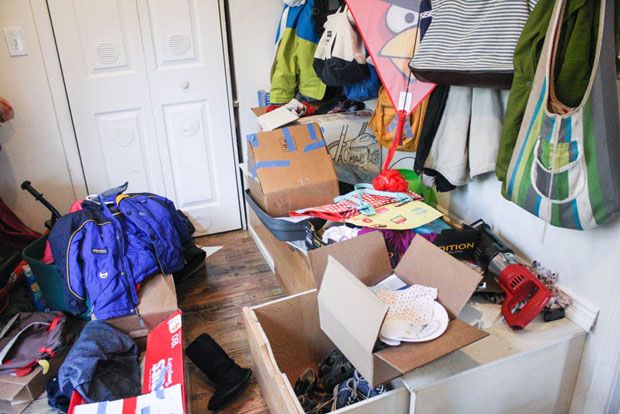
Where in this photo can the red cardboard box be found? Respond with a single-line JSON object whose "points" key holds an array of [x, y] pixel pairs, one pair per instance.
{"points": [[163, 389]]}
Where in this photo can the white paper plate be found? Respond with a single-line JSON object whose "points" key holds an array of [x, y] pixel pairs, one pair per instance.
{"points": [[396, 330]]}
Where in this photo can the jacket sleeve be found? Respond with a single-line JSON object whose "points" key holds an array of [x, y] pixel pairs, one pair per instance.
{"points": [[65, 240]]}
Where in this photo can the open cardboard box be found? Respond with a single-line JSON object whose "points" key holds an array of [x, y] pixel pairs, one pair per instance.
{"points": [[348, 137], [290, 169], [163, 378], [299, 271], [17, 393], [285, 339], [157, 330], [351, 314]]}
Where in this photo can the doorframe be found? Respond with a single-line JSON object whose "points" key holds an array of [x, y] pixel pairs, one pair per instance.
{"points": [[58, 93], [231, 110]]}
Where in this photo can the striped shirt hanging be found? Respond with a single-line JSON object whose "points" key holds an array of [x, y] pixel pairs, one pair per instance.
{"points": [[471, 42]]}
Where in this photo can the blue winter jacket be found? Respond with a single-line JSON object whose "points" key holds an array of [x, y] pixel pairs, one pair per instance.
{"points": [[104, 251]]}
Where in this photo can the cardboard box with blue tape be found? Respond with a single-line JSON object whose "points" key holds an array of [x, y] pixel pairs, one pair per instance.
{"points": [[290, 169]]}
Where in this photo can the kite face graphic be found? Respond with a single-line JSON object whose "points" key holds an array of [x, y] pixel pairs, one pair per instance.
{"points": [[401, 19], [390, 30]]}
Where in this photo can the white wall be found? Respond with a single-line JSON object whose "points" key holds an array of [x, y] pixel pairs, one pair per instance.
{"points": [[32, 145], [589, 265], [253, 26]]}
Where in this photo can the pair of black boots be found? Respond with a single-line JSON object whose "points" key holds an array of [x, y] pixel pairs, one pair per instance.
{"points": [[228, 377]]}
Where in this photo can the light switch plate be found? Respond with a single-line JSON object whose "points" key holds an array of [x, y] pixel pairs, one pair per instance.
{"points": [[15, 41]]}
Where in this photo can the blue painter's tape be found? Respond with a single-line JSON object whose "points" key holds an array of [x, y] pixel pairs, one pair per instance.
{"points": [[252, 168], [159, 393], [289, 140], [313, 146], [159, 385], [101, 408], [253, 140], [271, 164], [312, 132], [268, 164]]}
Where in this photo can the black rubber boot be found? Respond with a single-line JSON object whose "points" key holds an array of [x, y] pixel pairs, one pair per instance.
{"points": [[228, 377]]}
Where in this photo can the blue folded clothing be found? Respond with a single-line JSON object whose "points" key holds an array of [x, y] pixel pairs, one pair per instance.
{"points": [[102, 365]]}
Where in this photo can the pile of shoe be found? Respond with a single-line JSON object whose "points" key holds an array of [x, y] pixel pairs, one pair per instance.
{"points": [[338, 384]]}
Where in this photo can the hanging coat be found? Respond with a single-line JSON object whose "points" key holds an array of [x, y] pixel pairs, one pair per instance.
{"points": [[292, 69]]}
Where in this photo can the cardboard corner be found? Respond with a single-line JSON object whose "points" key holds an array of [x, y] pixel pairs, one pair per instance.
{"points": [[353, 324], [425, 264], [364, 256], [158, 294], [158, 299], [409, 356], [259, 110]]}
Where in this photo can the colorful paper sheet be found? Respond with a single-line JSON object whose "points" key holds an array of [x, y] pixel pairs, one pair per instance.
{"points": [[398, 216]]}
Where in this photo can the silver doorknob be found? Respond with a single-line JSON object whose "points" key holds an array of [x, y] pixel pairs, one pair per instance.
{"points": [[184, 84]]}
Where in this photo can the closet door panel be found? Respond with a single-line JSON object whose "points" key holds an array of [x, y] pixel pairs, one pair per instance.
{"points": [[102, 58], [148, 88], [185, 63]]}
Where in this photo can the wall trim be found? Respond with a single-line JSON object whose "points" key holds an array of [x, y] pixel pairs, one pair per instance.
{"points": [[582, 312], [263, 250]]}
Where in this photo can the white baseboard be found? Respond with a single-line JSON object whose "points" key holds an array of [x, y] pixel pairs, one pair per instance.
{"points": [[581, 312], [262, 248]]}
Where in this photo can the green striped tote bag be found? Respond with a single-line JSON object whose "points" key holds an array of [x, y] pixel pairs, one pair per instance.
{"points": [[566, 165]]}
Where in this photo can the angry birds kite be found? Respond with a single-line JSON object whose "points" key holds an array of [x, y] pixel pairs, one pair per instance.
{"points": [[390, 31]]}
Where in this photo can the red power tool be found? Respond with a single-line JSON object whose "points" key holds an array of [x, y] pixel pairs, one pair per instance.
{"points": [[526, 296]]}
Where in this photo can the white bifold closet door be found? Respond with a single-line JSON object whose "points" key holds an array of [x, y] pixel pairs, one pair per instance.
{"points": [[149, 95]]}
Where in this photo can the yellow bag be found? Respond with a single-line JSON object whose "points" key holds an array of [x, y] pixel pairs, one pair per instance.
{"points": [[385, 115]]}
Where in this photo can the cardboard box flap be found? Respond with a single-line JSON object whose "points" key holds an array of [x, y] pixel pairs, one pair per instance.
{"points": [[158, 300], [158, 295], [13, 392], [349, 253], [425, 264], [258, 111], [410, 356], [350, 314], [292, 142]]}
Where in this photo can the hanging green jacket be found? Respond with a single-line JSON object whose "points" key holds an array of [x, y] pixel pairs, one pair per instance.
{"points": [[292, 69], [573, 66]]}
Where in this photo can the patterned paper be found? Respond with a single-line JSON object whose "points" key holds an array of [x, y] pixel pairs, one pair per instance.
{"points": [[414, 304]]}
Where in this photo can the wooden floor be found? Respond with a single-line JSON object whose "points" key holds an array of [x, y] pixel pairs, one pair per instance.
{"points": [[236, 276]]}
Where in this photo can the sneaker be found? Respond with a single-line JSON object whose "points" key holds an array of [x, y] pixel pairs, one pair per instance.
{"points": [[345, 394], [334, 369], [305, 383], [363, 387], [316, 402], [324, 403]]}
